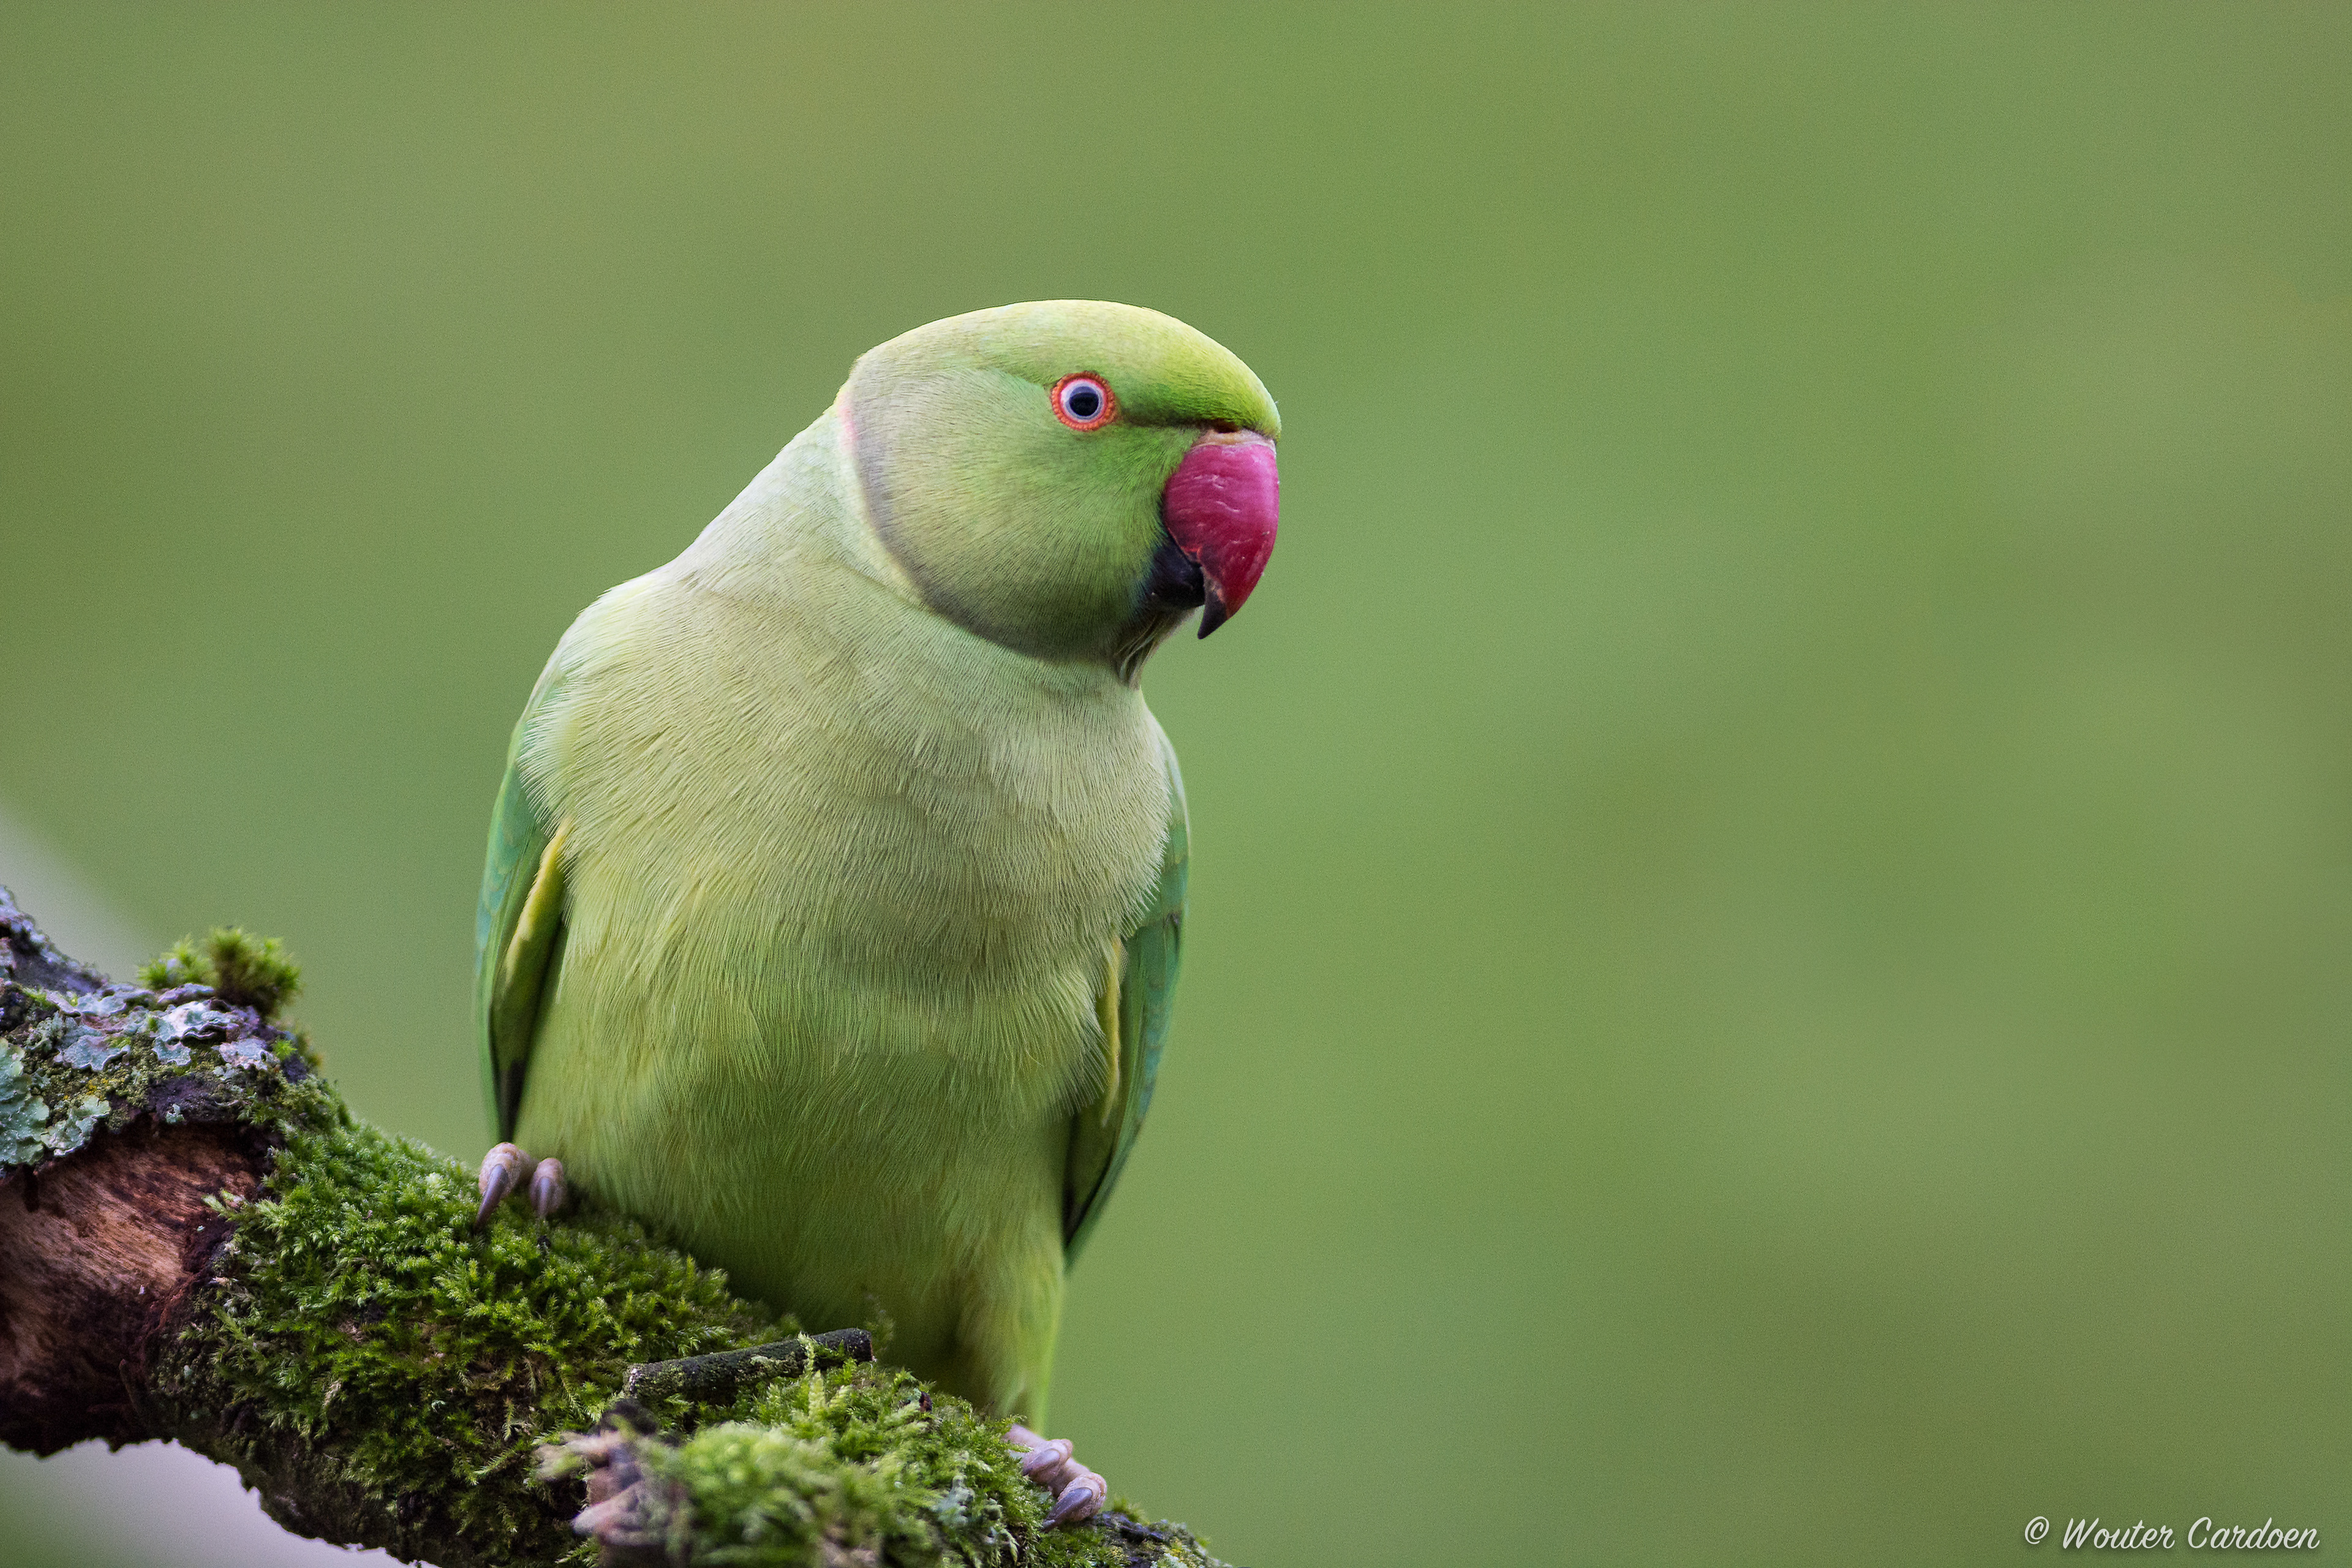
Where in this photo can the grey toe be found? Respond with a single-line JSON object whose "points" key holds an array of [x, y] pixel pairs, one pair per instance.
{"points": [[1080, 1499], [1077, 1492], [503, 1170], [548, 1192], [1047, 1463]]}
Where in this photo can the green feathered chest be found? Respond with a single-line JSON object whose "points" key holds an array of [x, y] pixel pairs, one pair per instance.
{"points": [[841, 826]]}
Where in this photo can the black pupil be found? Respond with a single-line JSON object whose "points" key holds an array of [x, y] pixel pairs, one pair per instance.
{"points": [[1083, 402]]}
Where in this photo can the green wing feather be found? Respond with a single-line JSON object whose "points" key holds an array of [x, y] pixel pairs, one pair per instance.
{"points": [[518, 929], [1102, 1135]]}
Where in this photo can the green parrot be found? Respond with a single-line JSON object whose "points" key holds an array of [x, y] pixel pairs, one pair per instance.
{"points": [[836, 884]]}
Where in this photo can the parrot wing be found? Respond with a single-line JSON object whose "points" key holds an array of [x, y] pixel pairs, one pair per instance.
{"points": [[1138, 996], [518, 928]]}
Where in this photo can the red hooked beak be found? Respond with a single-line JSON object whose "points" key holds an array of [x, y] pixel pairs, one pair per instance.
{"points": [[1219, 506]]}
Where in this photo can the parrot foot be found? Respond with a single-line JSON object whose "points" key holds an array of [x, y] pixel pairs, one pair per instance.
{"points": [[1078, 1493], [625, 1506], [503, 1170]]}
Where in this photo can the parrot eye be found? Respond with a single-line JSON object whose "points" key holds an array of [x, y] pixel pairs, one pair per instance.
{"points": [[1083, 403]]}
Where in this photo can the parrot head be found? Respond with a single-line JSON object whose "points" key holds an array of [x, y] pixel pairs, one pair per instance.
{"points": [[1069, 479]]}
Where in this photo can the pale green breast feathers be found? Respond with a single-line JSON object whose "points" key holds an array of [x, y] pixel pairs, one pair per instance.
{"points": [[927, 886], [865, 770]]}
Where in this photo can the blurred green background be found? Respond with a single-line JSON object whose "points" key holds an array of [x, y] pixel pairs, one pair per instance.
{"points": [[1773, 862]]}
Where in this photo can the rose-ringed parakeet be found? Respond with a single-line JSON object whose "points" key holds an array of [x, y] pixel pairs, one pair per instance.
{"points": [[837, 883]]}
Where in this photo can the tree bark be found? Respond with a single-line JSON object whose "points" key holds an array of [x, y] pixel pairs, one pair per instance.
{"points": [[102, 1241], [97, 1258]]}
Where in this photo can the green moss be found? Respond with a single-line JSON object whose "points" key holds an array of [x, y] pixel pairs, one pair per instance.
{"points": [[245, 969], [181, 965], [861, 1460], [862, 1465], [361, 1313]]}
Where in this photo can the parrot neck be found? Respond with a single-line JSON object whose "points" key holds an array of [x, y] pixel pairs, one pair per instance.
{"points": [[805, 510]]}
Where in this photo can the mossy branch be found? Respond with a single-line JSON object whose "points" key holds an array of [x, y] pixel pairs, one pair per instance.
{"points": [[199, 1242]]}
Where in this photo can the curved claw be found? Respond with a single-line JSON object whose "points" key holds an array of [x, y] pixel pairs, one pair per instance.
{"points": [[621, 1498], [1049, 1464], [618, 1520], [1080, 1499], [548, 1193], [503, 1170], [1078, 1493]]}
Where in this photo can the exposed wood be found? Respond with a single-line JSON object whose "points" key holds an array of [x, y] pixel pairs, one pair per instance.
{"points": [[99, 1254]]}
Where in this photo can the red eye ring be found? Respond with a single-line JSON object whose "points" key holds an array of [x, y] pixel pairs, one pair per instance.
{"points": [[1083, 402]]}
